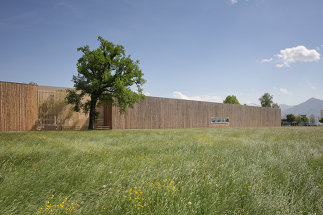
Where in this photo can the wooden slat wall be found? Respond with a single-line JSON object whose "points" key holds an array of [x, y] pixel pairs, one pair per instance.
{"points": [[70, 120], [154, 112], [19, 112], [107, 115], [18, 107]]}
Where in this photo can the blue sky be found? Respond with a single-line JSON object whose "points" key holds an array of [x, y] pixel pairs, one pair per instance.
{"points": [[202, 50]]}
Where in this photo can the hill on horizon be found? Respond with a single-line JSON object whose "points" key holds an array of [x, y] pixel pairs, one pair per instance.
{"points": [[311, 106]]}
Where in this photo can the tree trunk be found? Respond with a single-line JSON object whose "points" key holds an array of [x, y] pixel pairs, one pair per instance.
{"points": [[92, 113]]}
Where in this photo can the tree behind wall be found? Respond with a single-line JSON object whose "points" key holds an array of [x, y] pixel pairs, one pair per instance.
{"points": [[266, 100], [231, 100], [105, 75]]}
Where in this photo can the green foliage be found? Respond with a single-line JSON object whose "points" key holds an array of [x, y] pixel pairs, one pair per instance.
{"points": [[105, 75], [301, 118], [321, 120], [304, 119], [180, 171], [290, 118], [266, 100], [231, 100]]}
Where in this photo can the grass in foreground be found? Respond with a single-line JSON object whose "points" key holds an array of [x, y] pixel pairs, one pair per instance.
{"points": [[188, 171]]}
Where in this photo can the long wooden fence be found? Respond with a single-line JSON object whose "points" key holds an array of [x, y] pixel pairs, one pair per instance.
{"points": [[18, 107], [55, 113], [27, 107], [154, 112]]}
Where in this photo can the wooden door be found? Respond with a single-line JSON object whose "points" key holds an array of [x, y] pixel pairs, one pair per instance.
{"points": [[107, 115]]}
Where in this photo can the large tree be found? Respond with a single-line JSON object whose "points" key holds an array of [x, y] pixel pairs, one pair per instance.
{"points": [[105, 75], [266, 100], [231, 100], [275, 105]]}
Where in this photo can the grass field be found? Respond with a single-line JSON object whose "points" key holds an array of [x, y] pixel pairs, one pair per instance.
{"points": [[188, 171]]}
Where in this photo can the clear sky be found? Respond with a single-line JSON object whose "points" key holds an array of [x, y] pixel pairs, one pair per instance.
{"points": [[195, 49]]}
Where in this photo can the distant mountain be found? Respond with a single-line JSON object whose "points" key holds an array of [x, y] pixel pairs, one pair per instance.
{"points": [[311, 106], [284, 107]]}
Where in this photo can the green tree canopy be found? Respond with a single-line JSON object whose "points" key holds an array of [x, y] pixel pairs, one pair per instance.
{"points": [[290, 118], [266, 100], [304, 119], [301, 119], [321, 120], [275, 105], [231, 100], [105, 75]]}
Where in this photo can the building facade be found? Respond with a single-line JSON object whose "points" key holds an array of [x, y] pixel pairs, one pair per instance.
{"points": [[29, 107], [160, 113]]}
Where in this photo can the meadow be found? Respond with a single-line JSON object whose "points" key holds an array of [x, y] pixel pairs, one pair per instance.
{"points": [[182, 171]]}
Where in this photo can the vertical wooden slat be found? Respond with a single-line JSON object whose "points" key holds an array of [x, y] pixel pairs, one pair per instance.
{"points": [[154, 112], [18, 106]]}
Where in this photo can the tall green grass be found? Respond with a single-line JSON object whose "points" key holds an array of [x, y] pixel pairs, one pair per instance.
{"points": [[187, 171]]}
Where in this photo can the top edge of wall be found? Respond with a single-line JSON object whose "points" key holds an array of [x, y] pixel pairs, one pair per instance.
{"points": [[52, 88], [9, 82]]}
